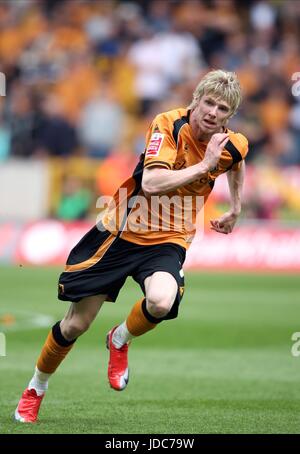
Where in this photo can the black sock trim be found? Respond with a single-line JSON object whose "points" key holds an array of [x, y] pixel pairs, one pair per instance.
{"points": [[148, 316], [59, 338]]}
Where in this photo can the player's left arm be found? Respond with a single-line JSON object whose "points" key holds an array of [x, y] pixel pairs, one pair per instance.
{"points": [[226, 223]]}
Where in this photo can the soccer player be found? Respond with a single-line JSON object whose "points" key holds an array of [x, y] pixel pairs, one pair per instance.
{"points": [[186, 150]]}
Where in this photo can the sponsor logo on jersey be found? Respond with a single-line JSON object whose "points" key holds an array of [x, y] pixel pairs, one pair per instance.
{"points": [[155, 144]]}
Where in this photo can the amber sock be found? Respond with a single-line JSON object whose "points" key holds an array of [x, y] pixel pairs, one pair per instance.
{"points": [[53, 352], [138, 322]]}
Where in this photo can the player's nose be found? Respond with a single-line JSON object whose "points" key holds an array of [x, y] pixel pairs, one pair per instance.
{"points": [[213, 111]]}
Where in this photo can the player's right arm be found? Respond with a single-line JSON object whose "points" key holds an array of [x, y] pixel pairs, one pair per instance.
{"points": [[159, 180]]}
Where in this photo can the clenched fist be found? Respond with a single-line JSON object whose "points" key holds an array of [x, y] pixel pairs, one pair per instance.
{"points": [[225, 223]]}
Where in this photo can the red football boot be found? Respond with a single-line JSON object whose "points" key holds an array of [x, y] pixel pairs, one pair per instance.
{"points": [[118, 372], [28, 407]]}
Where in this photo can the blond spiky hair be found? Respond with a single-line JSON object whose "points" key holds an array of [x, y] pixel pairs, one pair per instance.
{"points": [[221, 85]]}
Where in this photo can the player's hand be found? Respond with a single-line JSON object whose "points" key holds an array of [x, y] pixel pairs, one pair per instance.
{"points": [[214, 149], [225, 223]]}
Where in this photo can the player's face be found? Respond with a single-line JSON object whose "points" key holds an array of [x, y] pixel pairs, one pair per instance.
{"points": [[211, 115]]}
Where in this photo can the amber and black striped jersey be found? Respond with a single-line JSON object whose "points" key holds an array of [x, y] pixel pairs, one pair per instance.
{"points": [[169, 144]]}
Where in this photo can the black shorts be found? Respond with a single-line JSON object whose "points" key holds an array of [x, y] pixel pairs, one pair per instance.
{"points": [[101, 262]]}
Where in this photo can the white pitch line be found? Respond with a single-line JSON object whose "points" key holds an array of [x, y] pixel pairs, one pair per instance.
{"points": [[25, 320]]}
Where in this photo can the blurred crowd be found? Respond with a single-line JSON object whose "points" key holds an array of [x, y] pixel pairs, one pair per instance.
{"points": [[85, 78]]}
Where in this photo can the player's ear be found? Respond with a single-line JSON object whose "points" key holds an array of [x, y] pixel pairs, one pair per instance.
{"points": [[231, 114], [228, 118]]}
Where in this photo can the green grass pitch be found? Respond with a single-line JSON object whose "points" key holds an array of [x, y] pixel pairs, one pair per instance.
{"points": [[224, 366]]}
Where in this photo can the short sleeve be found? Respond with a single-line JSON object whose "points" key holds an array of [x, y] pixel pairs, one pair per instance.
{"points": [[242, 144], [161, 149]]}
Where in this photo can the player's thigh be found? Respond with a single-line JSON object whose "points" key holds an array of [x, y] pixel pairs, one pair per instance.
{"points": [[161, 286], [86, 309]]}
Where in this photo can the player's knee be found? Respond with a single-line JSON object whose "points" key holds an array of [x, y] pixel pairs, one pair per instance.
{"points": [[73, 328], [159, 306]]}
